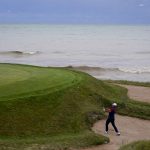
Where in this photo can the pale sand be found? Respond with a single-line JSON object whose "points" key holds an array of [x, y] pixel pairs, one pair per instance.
{"points": [[138, 93], [131, 129]]}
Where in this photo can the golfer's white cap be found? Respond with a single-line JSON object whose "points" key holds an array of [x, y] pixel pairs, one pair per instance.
{"points": [[114, 104]]}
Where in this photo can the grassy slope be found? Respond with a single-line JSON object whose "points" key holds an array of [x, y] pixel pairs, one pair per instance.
{"points": [[56, 107], [45, 105], [140, 145]]}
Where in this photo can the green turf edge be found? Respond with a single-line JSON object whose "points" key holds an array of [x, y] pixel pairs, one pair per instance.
{"points": [[138, 145], [136, 83], [61, 142]]}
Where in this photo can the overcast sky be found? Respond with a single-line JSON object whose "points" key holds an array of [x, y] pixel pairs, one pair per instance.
{"points": [[75, 11]]}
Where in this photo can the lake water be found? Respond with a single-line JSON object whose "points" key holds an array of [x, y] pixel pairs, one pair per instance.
{"points": [[120, 52]]}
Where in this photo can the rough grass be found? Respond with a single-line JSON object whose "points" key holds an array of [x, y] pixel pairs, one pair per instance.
{"points": [[59, 142], [56, 106], [139, 145]]}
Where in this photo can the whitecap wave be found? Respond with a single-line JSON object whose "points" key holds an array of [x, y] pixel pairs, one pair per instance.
{"points": [[119, 70], [19, 53], [135, 70]]}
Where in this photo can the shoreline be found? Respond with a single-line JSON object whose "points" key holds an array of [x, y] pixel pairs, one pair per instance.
{"points": [[96, 72]]}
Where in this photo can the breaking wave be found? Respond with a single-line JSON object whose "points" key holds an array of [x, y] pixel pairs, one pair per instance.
{"points": [[19, 53], [119, 70], [135, 70]]}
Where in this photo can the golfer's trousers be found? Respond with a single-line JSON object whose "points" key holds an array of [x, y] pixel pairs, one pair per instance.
{"points": [[112, 122]]}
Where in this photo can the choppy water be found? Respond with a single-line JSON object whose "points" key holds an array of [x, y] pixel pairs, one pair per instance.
{"points": [[117, 51]]}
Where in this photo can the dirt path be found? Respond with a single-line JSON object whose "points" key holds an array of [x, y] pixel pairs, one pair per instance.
{"points": [[131, 129]]}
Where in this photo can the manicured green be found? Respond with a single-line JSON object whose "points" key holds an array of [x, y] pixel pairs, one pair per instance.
{"points": [[21, 81], [55, 107], [139, 145]]}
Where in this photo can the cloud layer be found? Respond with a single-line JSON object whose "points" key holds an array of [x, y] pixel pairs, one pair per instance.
{"points": [[75, 11]]}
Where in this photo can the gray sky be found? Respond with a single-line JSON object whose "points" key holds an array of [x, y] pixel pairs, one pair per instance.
{"points": [[75, 11]]}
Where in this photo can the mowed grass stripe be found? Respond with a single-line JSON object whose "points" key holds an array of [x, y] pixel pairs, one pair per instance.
{"points": [[7, 75], [29, 81]]}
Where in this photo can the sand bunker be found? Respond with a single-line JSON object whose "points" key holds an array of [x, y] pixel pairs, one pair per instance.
{"points": [[138, 93], [131, 129]]}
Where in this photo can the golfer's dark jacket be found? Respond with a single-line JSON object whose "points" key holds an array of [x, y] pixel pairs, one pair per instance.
{"points": [[112, 112]]}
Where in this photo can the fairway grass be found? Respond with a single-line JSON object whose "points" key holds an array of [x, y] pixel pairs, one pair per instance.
{"points": [[55, 107]]}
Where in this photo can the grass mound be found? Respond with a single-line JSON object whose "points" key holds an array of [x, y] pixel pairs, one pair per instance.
{"points": [[55, 107], [140, 145], [46, 105]]}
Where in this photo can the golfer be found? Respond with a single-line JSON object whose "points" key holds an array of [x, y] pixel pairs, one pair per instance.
{"points": [[111, 118]]}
